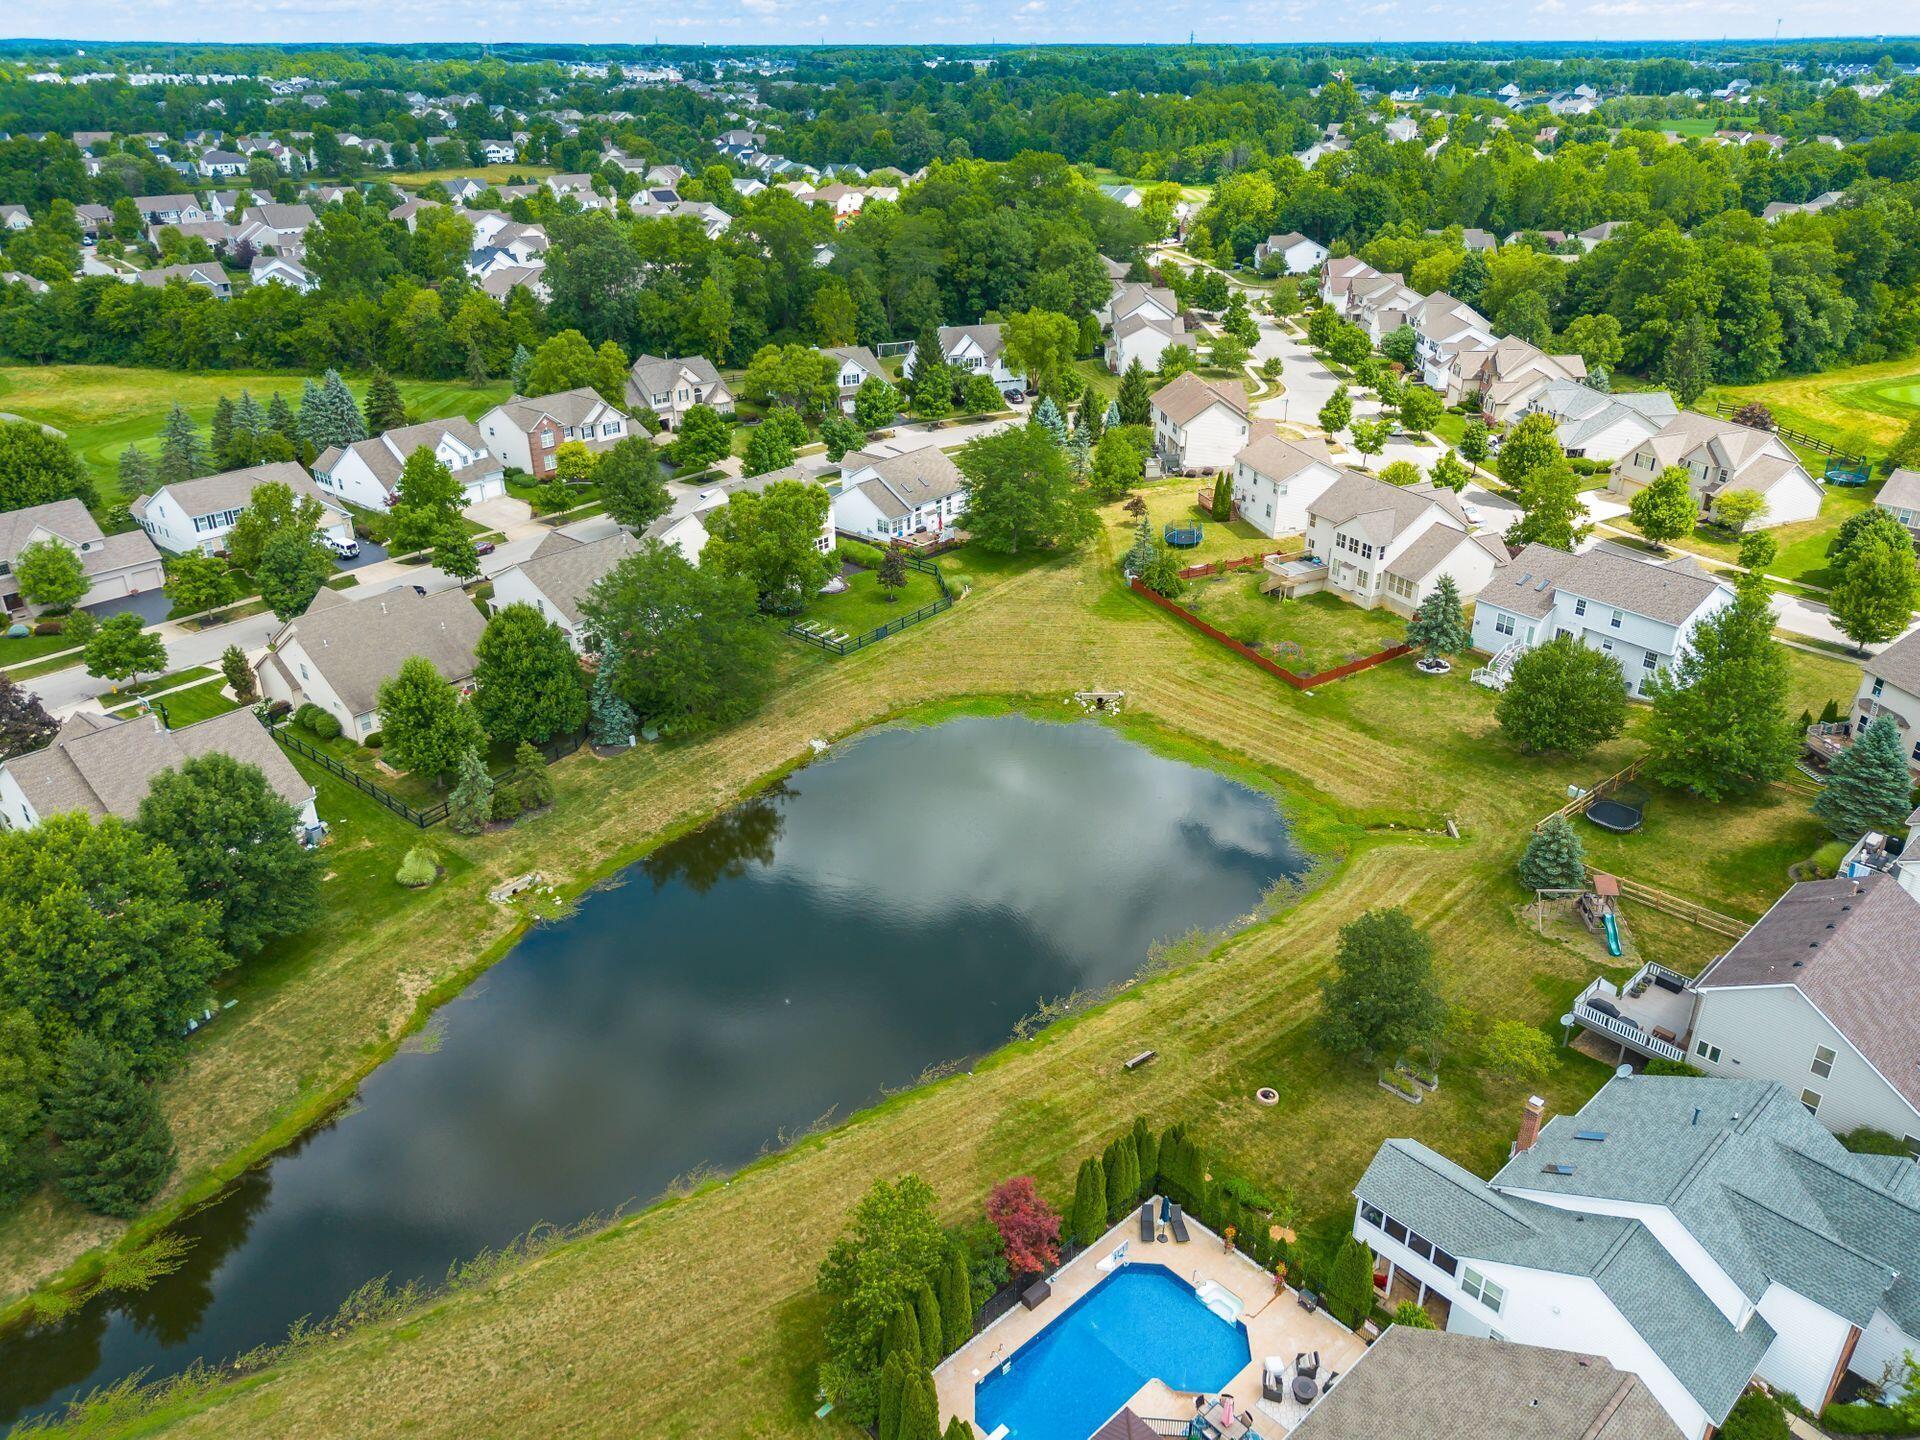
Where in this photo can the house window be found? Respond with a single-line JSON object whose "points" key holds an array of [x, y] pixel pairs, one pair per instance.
{"points": [[1395, 1230], [1878, 685], [1708, 1053], [546, 440], [1823, 1061], [1649, 661], [1913, 1145], [1615, 621], [1371, 1215], [1503, 624], [1579, 607], [1811, 1099], [1483, 1289], [1442, 1260]]}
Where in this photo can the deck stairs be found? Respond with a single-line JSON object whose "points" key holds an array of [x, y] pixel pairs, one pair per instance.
{"points": [[1498, 671]]}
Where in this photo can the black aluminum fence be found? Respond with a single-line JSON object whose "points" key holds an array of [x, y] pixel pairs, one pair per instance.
{"points": [[809, 632], [1846, 458], [552, 750]]}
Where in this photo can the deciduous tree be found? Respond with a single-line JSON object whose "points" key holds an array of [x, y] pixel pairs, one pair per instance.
{"points": [[1665, 510], [1382, 999], [24, 722], [122, 648], [1563, 696], [630, 483], [426, 726], [291, 569], [772, 538], [1028, 1227], [1720, 724], [527, 681], [1020, 493], [49, 573]]}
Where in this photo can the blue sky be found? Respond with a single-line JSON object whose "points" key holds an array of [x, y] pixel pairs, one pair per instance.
{"points": [[916, 21]]}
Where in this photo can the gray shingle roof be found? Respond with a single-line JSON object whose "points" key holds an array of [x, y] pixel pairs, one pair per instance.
{"points": [[233, 489], [1898, 664], [105, 767], [1666, 593], [1390, 509], [568, 407], [1432, 1385], [901, 483], [564, 569], [356, 644], [1902, 490], [1188, 395], [1852, 947]]}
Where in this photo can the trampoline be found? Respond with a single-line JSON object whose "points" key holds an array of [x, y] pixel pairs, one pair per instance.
{"points": [[1620, 809], [1184, 537]]}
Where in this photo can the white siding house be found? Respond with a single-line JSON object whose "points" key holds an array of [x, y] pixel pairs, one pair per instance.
{"points": [[1721, 458], [1295, 252], [367, 473], [1890, 686], [1275, 480], [896, 497], [197, 514], [1199, 425], [114, 565], [1389, 545]]}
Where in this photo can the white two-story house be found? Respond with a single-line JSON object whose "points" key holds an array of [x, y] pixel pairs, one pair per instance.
{"points": [[1636, 611], [1900, 498], [1890, 686], [526, 433], [1199, 425], [1390, 545], [562, 570], [1721, 458], [896, 497], [197, 514], [1274, 481], [367, 472], [1295, 253], [1698, 1233], [976, 349], [857, 365], [671, 387]]}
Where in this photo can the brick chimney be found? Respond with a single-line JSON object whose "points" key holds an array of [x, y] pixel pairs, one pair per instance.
{"points": [[1530, 1124]]}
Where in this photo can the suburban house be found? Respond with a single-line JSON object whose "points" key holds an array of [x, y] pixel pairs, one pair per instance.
{"points": [[561, 570], [1600, 426], [367, 472], [1436, 1385], [857, 365], [197, 514], [525, 433], [1720, 458], [896, 497], [976, 349], [114, 565], [282, 228], [1697, 1233], [1389, 545], [1505, 375], [715, 497], [670, 388], [1381, 304], [1274, 480], [1890, 686], [204, 273], [1900, 497], [1126, 300], [1199, 425], [1145, 336], [169, 209], [279, 270], [1295, 252], [1637, 611], [100, 766], [1817, 998], [337, 654], [1337, 277]]}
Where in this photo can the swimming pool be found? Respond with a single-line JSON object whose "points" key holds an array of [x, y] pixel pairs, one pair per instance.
{"points": [[1140, 1323]]}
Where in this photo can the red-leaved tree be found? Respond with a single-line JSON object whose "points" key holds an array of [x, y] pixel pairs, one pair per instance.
{"points": [[1028, 1227]]}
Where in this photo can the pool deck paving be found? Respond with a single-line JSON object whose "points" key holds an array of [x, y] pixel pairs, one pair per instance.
{"points": [[1275, 1323]]}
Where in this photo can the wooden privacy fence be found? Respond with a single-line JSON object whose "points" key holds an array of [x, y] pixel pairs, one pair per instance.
{"points": [[1298, 682], [1578, 804], [1244, 562], [1690, 911], [1725, 409]]}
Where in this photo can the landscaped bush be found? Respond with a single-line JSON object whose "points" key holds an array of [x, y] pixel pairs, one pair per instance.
{"points": [[1756, 1415], [506, 803], [1673, 1067], [317, 722], [858, 552], [1867, 1141], [49, 627], [375, 740], [1865, 1420], [418, 870], [278, 710]]}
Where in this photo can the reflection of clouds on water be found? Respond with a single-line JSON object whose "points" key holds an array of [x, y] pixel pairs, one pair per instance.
{"points": [[1056, 816]]}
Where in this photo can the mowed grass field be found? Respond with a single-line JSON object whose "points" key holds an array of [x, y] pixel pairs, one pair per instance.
{"points": [[704, 1306], [1862, 408], [105, 408], [494, 174]]}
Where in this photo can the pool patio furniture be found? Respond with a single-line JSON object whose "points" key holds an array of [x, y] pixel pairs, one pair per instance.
{"points": [[1273, 1378], [1177, 1223], [1036, 1294], [1309, 1300], [1115, 1260], [1146, 1219], [1305, 1389]]}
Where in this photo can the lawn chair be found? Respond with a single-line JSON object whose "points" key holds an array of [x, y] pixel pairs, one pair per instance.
{"points": [[1146, 1221], [1273, 1378], [1177, 1223]]}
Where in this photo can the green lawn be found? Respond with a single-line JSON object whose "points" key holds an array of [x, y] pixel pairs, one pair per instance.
{"points": [[105, 408], [1803, 544], [185, 707], [496, 174], [165, 681], [1100, 380], [1862, 408], [1177, 502], [864, 606], [1307, 635], [31, 647]]}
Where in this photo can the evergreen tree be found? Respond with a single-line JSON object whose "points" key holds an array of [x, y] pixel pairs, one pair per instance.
{"points": [[1687, 369], [338, 421], [933, 1331], [384, 410], [902, 1335], [1350, 1287], [249, 416], [1126, 1157], [309, 420], [1867, 786], [1048, 417], [136, 473], [1141, 555], [220, 427], [471, 804], [1088, 1219], [23, 1083], [519, 368], [1439, 626], [1222, 498], [1133, 404], [958, 1429], [182, 455], [1147, 1146], [238, 674], [1112, 417], [920, 1409], [610, 720], [893, 1380], [956, 1298], [115, 1150], [281, 420], [1554, 858]]}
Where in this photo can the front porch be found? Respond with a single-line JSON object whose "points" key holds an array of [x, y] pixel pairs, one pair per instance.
{"points": [[1651, 1015]]}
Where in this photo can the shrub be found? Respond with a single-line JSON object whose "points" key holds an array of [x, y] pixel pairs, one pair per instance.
{"points": [[858, 552], [317, 722], [418, 870], [1868, 1141], [49, 627], [1413, 1316], [375, 740], [506, 803], [1756, 1415], [1350, 1287], [279, 710], [1863, 1420], [1674, 1067]]}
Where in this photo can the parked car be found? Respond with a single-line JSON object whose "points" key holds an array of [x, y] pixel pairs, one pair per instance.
{"points": [[347, 549], [483, 547]]}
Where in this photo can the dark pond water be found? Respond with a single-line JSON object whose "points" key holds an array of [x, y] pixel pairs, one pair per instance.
{"points": [[901, 902]]}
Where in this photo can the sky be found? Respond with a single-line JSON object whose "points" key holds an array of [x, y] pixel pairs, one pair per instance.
{"points": [[736, 22]]}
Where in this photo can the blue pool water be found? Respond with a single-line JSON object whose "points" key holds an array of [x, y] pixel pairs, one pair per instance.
{"points": [[1141, 1323]]}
